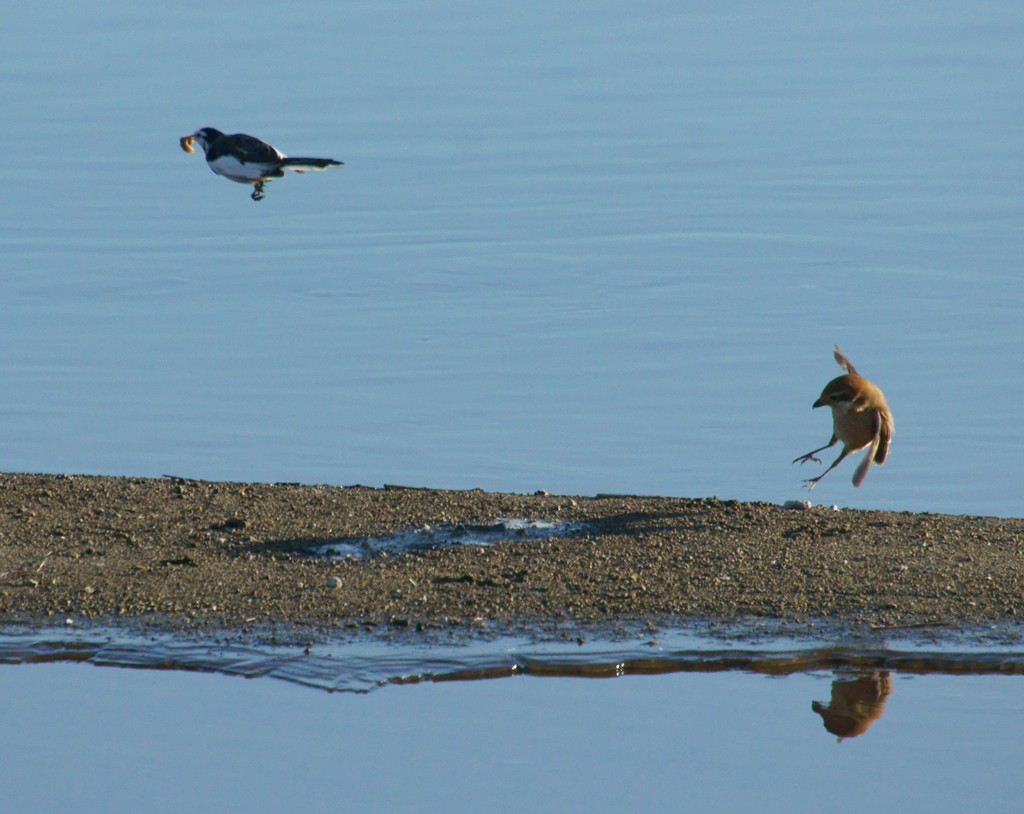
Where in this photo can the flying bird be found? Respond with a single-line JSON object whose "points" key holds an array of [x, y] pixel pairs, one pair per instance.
{"points": [[860, 418], [248, 160]]}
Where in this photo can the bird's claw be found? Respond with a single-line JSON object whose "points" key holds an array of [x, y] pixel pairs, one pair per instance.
{"points": [[805, 458], [258, 193]]}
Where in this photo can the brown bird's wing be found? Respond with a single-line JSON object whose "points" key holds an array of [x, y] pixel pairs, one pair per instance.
{"points": [[843, 362], [879, 447], [884, 437]]}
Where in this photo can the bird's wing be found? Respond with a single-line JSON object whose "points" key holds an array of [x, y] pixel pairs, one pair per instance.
{"points": [[885, 427], [246, 149]]}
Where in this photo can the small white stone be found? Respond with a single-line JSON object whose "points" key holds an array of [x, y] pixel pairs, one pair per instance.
{"points": [[333, 582], [797, 504]]}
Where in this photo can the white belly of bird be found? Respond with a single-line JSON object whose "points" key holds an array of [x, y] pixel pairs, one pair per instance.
{"points": [[250, 173]]}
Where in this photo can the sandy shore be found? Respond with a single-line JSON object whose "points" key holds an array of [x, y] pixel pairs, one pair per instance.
{"points": [[197, 554]]}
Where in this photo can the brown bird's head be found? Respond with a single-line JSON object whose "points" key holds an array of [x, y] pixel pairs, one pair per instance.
{"points": [[842, 392]]}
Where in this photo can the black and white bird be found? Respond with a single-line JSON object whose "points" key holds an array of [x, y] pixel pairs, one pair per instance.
{"points": [[248, 160]]}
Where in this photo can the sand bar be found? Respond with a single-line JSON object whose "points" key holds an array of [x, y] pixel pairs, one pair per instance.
{"points": [[200, 555]]}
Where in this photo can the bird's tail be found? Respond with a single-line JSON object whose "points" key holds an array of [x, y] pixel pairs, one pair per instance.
{"points": [[861, 471], [843, 362], [303, 164]]}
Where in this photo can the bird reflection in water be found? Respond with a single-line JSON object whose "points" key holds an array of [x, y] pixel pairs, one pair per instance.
{"points": [[855, 704]]}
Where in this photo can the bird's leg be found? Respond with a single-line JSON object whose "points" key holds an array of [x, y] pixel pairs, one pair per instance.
{"points": [[810, 455], [257, 193], [811, 482]]}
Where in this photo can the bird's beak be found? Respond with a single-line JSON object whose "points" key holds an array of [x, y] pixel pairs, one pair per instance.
{"points": [[818, 403], [186, 143]]}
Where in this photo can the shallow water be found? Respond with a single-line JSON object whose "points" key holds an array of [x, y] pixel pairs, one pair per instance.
{"points": [[159, 740], [576, 251], [501, 529], [361, 663]]}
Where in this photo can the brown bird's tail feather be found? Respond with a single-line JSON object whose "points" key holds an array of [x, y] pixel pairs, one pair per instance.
{"points": [[843, 362]]}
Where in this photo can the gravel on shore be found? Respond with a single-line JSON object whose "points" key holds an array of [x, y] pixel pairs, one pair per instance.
{"points": [[201, 555]]}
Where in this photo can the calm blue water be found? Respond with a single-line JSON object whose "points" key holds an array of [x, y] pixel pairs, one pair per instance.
{"points": [[88, 739], [599, 247], [574, 248]]}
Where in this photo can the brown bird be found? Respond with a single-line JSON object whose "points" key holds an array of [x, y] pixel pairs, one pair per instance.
{"points": [[860, 417]]}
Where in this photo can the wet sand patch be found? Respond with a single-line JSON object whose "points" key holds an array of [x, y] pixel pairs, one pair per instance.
{"points": [[369, 663]]}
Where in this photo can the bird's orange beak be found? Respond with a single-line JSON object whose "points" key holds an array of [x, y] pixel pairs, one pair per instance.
{"points": [[186, 144]]}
